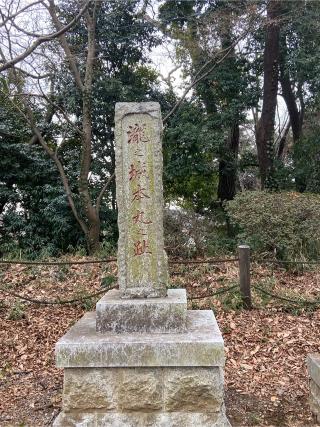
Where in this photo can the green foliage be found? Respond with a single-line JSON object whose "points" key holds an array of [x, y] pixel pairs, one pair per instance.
{"points": [[283, 224], [36, 220], [16, 311], [306, 156], [190, 169], [224, 93], [301, 48], [231, 300], [85, 303], [108, 281]]}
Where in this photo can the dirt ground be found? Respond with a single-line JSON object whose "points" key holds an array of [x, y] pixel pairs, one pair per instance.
{"points": [[266, 348]]}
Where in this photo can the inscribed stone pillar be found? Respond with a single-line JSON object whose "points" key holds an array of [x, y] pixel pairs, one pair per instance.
{"points": [[142, 262]]}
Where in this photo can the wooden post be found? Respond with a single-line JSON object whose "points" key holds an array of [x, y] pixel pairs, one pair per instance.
{"points": [[244, 275]]}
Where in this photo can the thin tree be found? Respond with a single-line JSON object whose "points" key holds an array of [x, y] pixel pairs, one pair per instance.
{"points": [[88, 216], [265, 126]]}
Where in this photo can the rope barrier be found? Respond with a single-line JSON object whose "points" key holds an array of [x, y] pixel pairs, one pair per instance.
{"points": [[102, 261], [55, 302], [219, 292], [70, 301], [272, 261], [171, 262], [293, 301], [174, 261], [206, 261], [97, 261]]}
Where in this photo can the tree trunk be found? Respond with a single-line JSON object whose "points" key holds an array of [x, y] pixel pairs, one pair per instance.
{"points": [[296, 116], [282, 143], [229, 158], [228, 166], [290, 100], [265, 128], [90, 211], [93, 235], [90, 222]]}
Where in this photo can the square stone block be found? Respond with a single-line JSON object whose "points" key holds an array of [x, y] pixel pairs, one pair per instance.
{"points": [[200, 345], [89, 389], [141, 389], [166, 389], [163, 315], [193, 389]]}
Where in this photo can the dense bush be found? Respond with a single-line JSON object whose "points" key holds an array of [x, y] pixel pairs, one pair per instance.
{"points": [[286, 224], [189, 234]]}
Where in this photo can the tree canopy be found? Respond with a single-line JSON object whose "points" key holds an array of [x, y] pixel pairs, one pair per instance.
{"points": [[240, 104]]}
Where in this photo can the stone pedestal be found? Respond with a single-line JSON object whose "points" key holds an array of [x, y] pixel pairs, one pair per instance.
{"points": [[313, 364], [134, 379], [166, 314], [142, 359]]}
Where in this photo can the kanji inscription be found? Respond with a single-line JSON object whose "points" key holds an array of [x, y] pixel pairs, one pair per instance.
{"points": [[142, 262], [136, 134]]}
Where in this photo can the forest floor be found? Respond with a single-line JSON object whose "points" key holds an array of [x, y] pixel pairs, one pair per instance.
{"points": [[266, 377]]}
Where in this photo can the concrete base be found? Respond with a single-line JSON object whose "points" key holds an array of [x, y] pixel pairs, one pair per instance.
{"points": [[138, 419], [313, 364], [200, 345], [143, 379], [163, 315]]}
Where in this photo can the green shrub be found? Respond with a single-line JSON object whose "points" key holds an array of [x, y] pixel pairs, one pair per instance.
{"points": [[285, 224], [17, 311]]}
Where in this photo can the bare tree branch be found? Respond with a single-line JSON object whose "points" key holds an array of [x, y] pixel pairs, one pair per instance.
{"points": [[24, 31], [60, 33], [57, 108], [201, 74], [60, 168], [65, 46], [103, 190], [168, 79], [5, 19], [33, 76], [198, 77]]}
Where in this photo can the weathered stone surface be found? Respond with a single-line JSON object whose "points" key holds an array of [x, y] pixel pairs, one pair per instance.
{"points": [[315, 399], [83, 419], [138, 419], [144, 397], [141, 390], [140, 363], [315, 391], [165, 315], [313, 364], [200, 345], [89, 389], [193, 389], [142, 264]]}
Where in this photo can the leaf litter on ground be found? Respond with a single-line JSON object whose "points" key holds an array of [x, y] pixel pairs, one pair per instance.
{"points": [[266, 348]]}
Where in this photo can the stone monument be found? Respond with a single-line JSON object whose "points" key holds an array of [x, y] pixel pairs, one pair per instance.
{"points": [[142, 359], [313, 365]]}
